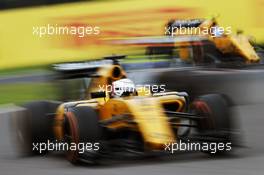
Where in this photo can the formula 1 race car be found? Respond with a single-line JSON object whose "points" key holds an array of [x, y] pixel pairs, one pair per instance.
{"points": [[199, 41], [219, 44], [117, 116]]}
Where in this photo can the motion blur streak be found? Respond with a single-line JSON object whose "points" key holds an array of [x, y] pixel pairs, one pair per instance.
{"points": [[115, 19]]}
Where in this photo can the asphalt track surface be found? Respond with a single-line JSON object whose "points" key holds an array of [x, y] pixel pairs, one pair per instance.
{"points": [[248, 159]]}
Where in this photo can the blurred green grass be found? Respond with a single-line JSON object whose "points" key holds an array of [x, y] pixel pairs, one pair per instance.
{"points": [[19, 93], [23, 70]]}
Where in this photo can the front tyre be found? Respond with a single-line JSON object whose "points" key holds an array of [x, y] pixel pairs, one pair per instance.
{"points": [[82, 128]]}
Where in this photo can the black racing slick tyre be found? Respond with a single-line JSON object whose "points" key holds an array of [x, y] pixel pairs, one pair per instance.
{"points": [[37, 125], [216, 125], [82, 128]]}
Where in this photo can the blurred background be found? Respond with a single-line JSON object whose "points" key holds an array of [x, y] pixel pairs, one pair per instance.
{"points": [[116, 19], [23, 53]]}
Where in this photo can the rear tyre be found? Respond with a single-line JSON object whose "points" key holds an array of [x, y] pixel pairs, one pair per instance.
{"points": [[216, 127], [82, 128]]}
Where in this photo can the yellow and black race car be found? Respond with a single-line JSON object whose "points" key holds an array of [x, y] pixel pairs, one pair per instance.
{"points": [[200, 41], [117, 116]]}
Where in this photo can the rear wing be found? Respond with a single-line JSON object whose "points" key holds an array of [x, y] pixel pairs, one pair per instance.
{"points": [[185, 23], [71, 70]]}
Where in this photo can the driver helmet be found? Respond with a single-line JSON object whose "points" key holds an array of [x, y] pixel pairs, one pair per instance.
{"points": [[123, 87], [217, 32]]}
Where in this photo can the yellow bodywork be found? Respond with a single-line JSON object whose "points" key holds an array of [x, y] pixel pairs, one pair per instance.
{"points": [[231, 44], [146, 112], [237, 45]]}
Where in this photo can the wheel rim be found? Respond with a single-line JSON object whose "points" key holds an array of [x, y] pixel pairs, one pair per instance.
{"points": [[201, 108]]}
